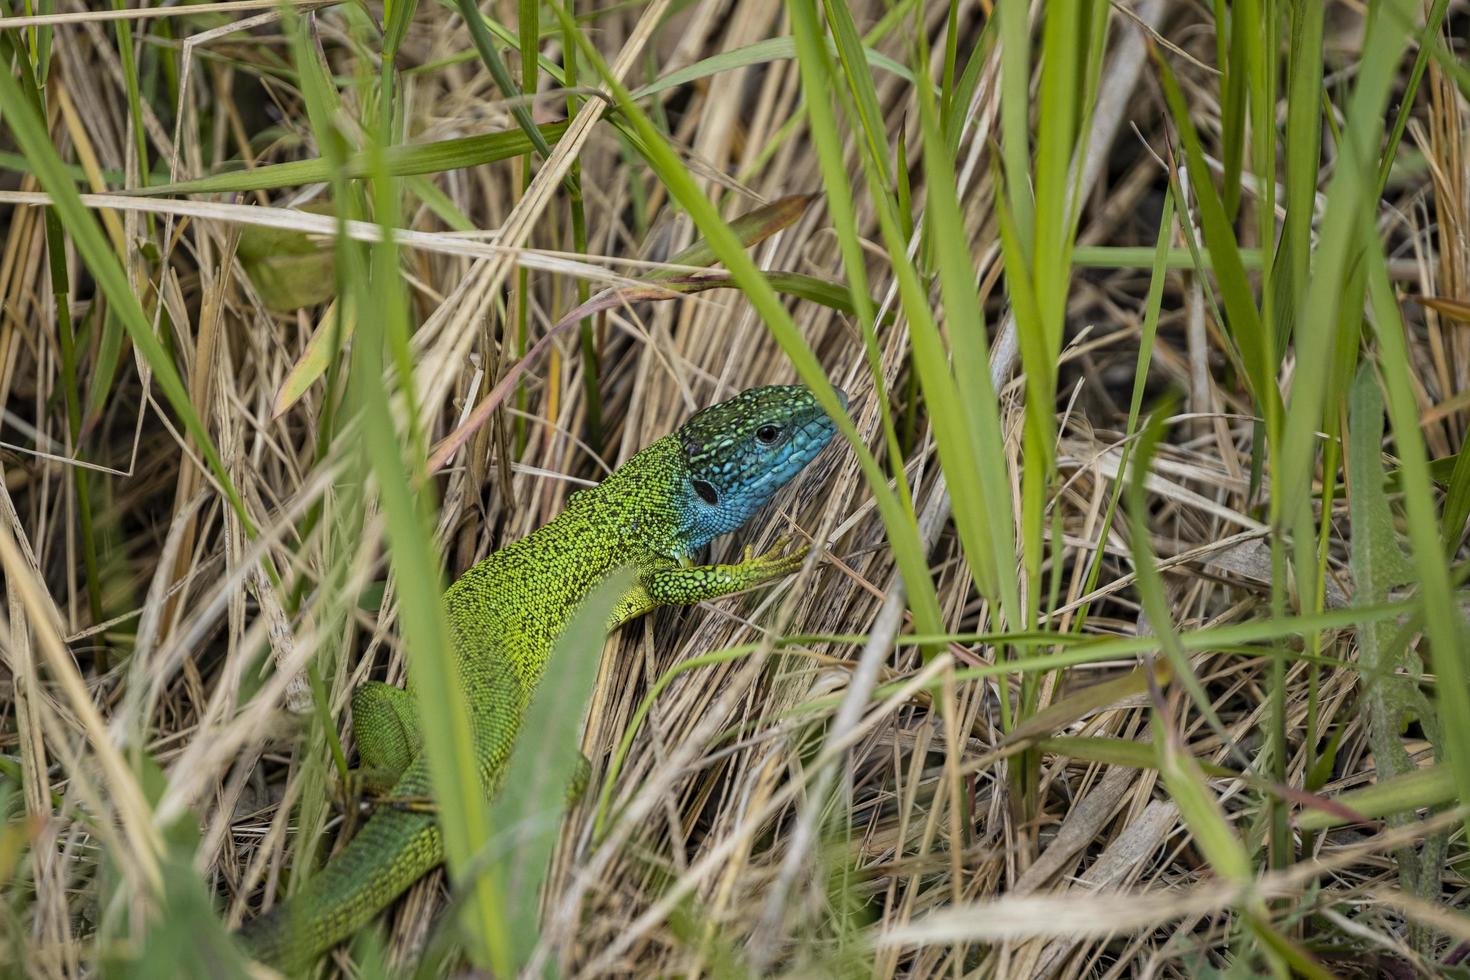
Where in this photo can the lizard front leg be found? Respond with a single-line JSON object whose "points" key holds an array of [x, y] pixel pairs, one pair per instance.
{"points": [[678, 585]]}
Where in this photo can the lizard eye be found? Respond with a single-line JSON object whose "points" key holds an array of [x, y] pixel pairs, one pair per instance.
{"points": [[767, 434], [707, 492]]}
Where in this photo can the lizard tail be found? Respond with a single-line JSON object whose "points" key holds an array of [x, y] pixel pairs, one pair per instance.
{"points": [[392, 851]]}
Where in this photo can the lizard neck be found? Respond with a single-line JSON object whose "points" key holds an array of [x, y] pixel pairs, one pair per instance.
{"points": [[645, 505], [513, 603]]}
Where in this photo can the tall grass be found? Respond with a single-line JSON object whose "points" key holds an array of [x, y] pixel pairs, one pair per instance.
{"points": [[1164, 651]]}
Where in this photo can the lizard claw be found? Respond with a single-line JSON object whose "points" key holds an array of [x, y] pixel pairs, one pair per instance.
{"points": [[781, 558]]}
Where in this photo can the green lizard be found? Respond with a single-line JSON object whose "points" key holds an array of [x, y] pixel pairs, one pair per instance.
{"points": [[653, 513]]}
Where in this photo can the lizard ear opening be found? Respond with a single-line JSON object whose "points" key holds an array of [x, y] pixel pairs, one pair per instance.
{"points": [[707, 492]]}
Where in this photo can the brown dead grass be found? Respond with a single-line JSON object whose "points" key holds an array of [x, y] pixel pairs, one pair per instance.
{"points": [[717, 779]]}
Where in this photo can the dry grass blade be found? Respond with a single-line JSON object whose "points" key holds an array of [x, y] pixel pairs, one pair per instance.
{"points": [[995, 728], [151, 13], [145, 844], [1108, 913], [1455, 309]]}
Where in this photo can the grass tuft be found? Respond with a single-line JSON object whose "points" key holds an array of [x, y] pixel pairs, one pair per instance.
{"points": [[307, 306]]}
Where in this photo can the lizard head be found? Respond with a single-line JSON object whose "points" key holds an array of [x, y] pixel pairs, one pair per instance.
{"points": [[741, 451]]}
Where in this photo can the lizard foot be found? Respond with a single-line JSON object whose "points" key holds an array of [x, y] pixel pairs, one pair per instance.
{"points": [[780, 559]]}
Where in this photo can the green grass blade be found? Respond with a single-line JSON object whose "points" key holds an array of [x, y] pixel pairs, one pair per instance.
{"points": [[398, 161], [640, 714], [1315, 321], [447, 731], [1444, 625], [1325, 312], [751, 228], [956, 444], [1456, 501], [1422, 788], [527, 813], [1432, 23], [1119, 752], [130, 85], [757, 53], [1233, 26], [71, 392], [979, 425], [1153, 304], [1243, 319], [1153, 598], [397, 15], [1057, 119], [860, 85], [813, 61], [964, 88], [1390, 697], [1303, 159], [448, 742], [1015, 117], [505, 36], [1039, 367], [1142, 257], [1198, 806], [485, 45]]}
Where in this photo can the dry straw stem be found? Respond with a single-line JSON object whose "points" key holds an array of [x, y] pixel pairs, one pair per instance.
{"points": [[144, 844], [1104, 913], [953, 847], [307, 223], [78, 17]]}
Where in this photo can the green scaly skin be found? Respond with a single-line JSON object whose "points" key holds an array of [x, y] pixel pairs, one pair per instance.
{"points": [[653, 513]]}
